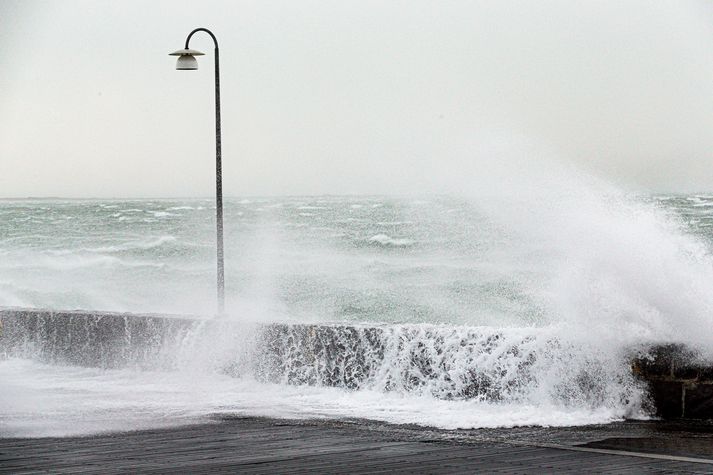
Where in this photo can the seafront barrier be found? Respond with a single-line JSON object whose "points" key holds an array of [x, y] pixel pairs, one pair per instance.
{"points": [[428, 358]]}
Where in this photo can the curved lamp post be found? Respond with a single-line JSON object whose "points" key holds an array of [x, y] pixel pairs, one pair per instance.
{"points": [[187, 61]]}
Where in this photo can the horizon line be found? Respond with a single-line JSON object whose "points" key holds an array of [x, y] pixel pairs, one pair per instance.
{"points": [[249, 196]]}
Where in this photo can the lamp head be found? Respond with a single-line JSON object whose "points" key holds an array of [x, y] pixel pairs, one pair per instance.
{"points": [[186, 59]]}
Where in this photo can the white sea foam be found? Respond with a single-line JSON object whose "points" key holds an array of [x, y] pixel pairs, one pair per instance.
{"points": [[69, 262], [393, 223], [73, 261], [386, 240], [143, 245], [40, 400]]}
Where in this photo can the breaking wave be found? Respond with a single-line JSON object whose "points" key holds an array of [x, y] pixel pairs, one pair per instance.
{"points": [[520, 307], [473, 368], [141, 245], [385, 240]]}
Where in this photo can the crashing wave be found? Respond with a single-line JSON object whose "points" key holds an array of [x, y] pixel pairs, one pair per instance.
{"points": [[385, 240]]}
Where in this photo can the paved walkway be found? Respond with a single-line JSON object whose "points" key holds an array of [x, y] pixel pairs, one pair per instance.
{"points": [[252, 445]]}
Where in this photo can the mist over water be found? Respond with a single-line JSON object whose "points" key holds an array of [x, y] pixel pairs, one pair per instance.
{"points": [[545, 284]]}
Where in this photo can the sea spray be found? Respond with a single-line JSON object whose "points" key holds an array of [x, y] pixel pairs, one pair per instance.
{"points": [[481, 364], [605, 265], [516, 305]]}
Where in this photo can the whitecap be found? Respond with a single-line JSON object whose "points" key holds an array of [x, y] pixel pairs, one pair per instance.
{"points": [[134, 245], [393, 223], [386, 240]]}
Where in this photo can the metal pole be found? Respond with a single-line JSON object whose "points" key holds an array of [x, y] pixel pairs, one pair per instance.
{"points": [[218, 177], [219, 190]]}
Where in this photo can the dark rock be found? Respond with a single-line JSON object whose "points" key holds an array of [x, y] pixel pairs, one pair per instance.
{"points": [[667, 397], [698, 401]]}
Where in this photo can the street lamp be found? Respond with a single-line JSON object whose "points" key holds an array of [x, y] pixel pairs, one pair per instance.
{"points": [[187, 61]]}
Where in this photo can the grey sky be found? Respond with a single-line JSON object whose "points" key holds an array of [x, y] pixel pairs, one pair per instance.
{"points": [[351, 96]]}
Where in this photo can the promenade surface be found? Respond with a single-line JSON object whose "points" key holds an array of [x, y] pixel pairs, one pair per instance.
{"points": [[257, 445]]}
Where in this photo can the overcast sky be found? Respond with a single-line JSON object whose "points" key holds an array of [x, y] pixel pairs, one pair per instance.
{"points": [[351, 96]]}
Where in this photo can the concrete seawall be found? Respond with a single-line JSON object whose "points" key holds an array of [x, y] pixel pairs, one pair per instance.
{"points": [[106, 340], [348, 356]]}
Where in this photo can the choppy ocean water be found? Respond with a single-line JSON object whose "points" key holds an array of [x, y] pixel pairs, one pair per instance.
{"points": [[599, 273]]}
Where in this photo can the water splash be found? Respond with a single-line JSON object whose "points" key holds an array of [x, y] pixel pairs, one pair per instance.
{"points": [[518, 304], [533, 367]]}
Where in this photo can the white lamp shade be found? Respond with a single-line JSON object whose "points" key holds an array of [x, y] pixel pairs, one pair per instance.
{"points": [[183, 52], [186, 62]]}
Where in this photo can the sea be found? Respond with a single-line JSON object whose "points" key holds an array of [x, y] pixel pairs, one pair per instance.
{"points": [[573, 280]]}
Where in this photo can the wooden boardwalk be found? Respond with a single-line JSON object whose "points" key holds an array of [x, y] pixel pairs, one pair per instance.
{"points": [[252, 445]]}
